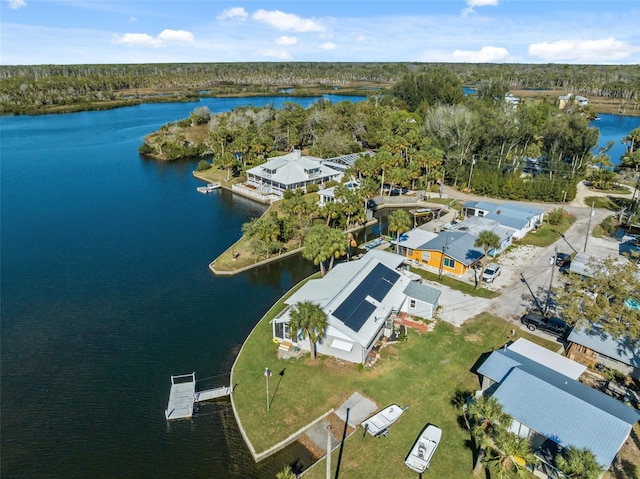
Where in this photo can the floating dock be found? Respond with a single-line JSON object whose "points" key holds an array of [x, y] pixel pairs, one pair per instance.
{"points": [[209, 187], [183, 396]]}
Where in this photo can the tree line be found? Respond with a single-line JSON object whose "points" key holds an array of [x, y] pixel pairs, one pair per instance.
{"points": [[33, 89]]}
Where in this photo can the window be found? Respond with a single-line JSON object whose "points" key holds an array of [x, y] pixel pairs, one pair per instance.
{"points": [[412, 303], [426, 256], [449, 263]]}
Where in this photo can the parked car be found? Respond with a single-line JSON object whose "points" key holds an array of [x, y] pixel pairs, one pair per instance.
{"points": [[551, 324], [491, 272], [563, 259]]}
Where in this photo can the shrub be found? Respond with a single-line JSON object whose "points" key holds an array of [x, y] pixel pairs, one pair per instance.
{"points": [[312, 188], [287, 194], [203, 165], [555, 216], [608, 225]]}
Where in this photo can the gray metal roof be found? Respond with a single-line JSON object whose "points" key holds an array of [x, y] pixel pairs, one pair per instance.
{"points": [[567, 411], [475, 225], [459, 246], [580, 264], [415, 238], [348, 160], [511, 215], [292, 168], [621, 349], [422, 292]]}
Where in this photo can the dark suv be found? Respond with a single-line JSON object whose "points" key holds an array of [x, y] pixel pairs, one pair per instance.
{"points": [[552, 324]]}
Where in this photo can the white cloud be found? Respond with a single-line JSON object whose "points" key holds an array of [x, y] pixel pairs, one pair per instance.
{"points": [[284, 40], [484, 55], [472, 4], [15, 4], [236, 13], [328, 46], [287, 21], [137, 39], [279, 54], [482, 3], [133, 19], [146, 40], [583, 51], [175, 36], [360, 38]]}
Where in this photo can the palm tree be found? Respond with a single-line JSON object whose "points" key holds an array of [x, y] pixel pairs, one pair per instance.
{"points": [[579, 464], [486, 240], [489, 417], [286, 473], [510, 454], [399, 222], [314, 246], [308, 321]]}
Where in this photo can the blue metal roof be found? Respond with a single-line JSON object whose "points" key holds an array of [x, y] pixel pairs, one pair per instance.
{"points": [[512, 215], [567, 411], [459, 246]]}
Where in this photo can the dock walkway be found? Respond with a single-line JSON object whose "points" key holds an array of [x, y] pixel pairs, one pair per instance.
{"points": [[183, 396]]}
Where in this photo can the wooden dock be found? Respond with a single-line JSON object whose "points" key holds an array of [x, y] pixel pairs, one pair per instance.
{"points": [[183, 396], [209, 188]]}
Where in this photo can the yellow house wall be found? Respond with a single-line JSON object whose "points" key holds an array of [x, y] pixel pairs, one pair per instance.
{"points": [[435, 260]]}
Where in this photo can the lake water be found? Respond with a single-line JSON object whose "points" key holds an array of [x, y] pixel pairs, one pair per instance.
{"points": [[614, 128], [105, 293]]}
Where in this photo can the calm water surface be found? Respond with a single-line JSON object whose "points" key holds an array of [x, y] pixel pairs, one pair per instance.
{"points": [[105, 293]]}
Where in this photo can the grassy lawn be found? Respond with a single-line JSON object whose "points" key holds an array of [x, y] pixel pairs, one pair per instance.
{"points": [[424, 373], [607, 202], [547, 234], [456, 284]]}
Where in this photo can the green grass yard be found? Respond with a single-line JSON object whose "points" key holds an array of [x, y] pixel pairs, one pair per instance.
{"points": [[424, 373]]}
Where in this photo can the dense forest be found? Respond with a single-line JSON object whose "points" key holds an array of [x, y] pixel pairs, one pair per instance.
{"points": [[46, 88]]}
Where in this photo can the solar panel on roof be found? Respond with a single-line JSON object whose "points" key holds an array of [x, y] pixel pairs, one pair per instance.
{"points": [[355, 309]]}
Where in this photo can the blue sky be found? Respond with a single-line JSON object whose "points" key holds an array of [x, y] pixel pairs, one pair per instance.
{"points": [[494, 31]]}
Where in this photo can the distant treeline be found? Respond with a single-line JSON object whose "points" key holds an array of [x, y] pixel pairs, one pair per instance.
{"points": [[41, 88]]}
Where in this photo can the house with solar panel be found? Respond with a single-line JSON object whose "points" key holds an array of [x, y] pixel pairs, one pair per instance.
{"points": [[361, 300], [518, 218], [540, 390]]}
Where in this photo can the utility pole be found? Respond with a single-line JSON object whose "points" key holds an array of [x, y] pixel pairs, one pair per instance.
{"points": [[473, 162], [328, 451], [553, 268], [586, 236], [444, 248]]}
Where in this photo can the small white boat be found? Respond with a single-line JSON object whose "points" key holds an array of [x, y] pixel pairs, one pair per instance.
{"points": [[209, 187], [379, 423], [422, 451]]}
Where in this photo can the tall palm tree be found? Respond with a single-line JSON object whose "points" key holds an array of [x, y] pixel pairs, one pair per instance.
{"points": [[489, 418], [309, 321], [579, 464], [399, 222], [510, 454], [487, 240]]}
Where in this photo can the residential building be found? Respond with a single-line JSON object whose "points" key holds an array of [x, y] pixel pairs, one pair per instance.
{"points": [[360, 299], [451, 252], [289, 172], [540, 390], [519, 218]]}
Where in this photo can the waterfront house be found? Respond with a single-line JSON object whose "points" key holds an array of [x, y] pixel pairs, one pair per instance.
{"points": [[540, 390], [449, 252], [519, 218], [563, 100], [361, 299], [289, 172]]}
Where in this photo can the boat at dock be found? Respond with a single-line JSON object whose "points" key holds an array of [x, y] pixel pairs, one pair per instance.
{"points": [[422, 451], [379, 423], [209, 187]]}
